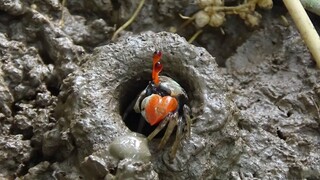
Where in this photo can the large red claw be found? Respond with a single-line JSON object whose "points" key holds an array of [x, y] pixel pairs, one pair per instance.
{"points": [[159, 107], [157, 67]]}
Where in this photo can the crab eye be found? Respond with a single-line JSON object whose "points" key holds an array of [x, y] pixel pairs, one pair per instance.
{"points": [[158, 67], [157, 54]]}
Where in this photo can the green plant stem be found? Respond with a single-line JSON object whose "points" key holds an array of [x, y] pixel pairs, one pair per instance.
{"points": [[195, 36], [125, 25]]}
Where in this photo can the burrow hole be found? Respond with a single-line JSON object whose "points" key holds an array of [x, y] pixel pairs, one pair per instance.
{"points": [[131, 88]]}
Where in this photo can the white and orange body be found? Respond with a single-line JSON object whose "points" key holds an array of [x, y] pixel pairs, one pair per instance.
{"points": [[163, 103]]}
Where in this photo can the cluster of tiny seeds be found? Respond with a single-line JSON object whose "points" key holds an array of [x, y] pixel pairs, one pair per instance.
{"points": [[213, 12]]}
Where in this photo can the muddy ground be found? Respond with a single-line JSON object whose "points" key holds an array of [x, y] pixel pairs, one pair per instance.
{"points": [[65, 88]]}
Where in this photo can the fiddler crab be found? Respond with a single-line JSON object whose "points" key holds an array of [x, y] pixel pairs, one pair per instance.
{"points": [[163, 102]]}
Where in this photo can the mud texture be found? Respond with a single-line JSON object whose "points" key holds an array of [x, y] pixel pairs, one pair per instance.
{"points": [[65, 89], [277, 92], [111, 79]]}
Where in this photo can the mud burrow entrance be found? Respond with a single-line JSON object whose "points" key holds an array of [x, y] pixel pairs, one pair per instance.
{"points": [[132, 86]]}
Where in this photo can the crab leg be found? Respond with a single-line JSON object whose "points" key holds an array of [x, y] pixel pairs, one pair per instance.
{"points": [[172, 124], [179, 135], [186, 115], [182, 122], [161, 125]]}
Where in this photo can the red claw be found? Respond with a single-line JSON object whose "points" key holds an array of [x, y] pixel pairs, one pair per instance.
{"points": [[159, 107], [157, 67]]}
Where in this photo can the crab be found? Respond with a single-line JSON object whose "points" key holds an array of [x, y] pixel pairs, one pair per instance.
{"points": [[163, 103]]}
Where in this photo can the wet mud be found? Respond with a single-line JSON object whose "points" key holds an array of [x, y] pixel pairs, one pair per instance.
{"points": [[66, 92]]}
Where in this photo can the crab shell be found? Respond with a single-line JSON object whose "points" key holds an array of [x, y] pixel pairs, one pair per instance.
{"points": [[155, 107]]}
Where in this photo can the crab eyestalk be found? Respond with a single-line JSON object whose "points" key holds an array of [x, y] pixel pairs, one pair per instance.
{"points": [[157, 67]]}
